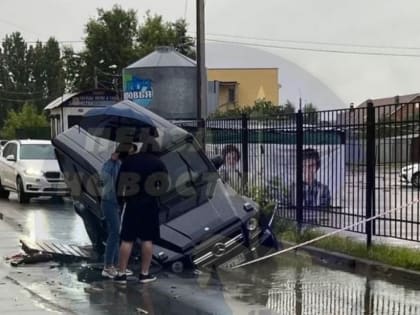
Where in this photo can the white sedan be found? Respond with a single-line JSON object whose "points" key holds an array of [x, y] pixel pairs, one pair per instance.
{"points": [[411, 174]]}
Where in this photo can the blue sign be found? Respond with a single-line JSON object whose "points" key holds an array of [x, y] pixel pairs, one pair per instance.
{"points": [[138, 90]]}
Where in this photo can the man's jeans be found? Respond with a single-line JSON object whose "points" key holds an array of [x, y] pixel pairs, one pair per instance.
{"points": [[112, 217]]}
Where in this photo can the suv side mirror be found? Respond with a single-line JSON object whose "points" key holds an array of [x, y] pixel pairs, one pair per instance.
{"points": [[217, 161], [11, 158]]}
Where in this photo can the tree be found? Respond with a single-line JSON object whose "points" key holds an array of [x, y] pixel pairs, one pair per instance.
{"points": [[72, 68], [53, 67], [46, 74], [261, 109], [110, 40], [28, 117], [289, 107], [114, 39], [13, 73], [29, 74], [155, 32], [310, 115]]}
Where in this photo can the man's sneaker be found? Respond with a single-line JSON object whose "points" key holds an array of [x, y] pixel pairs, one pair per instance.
{"points": [[146, 278], [109, 273], [120, 278], [129, 272]]}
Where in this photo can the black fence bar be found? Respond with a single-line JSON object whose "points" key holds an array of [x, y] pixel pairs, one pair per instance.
{"points": [[370, 171], [299, 169], [245, 153]]}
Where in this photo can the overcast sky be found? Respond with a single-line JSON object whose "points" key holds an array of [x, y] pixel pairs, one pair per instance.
{"points": [[356, 23]]}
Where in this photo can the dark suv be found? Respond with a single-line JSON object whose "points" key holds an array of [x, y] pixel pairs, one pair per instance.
{"points": [[203, 222]]}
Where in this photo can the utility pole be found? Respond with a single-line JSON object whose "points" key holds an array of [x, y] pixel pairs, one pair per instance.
{"points": [[201, 72]]}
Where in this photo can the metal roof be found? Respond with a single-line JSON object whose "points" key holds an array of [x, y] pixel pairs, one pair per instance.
{"points": [[60, 100], [163, 57], [402, 99]]}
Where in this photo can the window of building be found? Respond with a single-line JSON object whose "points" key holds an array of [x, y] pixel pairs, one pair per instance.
{"points": [[231, 95], [73, 120]]}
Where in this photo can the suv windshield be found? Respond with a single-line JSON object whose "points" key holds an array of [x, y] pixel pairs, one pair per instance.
{"points": [[37, 152], [191, 181]]}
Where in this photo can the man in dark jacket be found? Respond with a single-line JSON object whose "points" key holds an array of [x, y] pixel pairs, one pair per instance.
{"points": [[142, 179]]}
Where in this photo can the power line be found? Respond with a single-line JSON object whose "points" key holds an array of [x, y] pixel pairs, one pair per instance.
{"points": [[16, 100], [347, 52], [315, 42], [20, 93]]}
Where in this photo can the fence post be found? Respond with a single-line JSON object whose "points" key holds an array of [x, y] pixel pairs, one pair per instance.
{"points": [[245, 139], [299, 169], [201, 133], [370, 171]]}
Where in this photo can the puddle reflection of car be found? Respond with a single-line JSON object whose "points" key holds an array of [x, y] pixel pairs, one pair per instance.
{"points": [[411, 175], [30, 168], [203, 222]]}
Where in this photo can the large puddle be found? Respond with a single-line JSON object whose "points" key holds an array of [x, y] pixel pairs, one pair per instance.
{"points": [[293, 285]]}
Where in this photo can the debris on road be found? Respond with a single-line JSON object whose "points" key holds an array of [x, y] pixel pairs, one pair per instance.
{"points": [[32, 258]]}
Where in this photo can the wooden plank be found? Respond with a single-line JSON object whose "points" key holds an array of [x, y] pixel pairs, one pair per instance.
{"points": [[51, 249], [82, 252], [70, 250], [55, 248]]}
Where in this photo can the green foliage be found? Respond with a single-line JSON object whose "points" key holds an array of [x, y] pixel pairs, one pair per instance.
{"points": [[40, 72], [289, 107], [310, 115], [29, 74], [28, 117], [261, 109], [261, 196], [155, 32], [116, 39]]}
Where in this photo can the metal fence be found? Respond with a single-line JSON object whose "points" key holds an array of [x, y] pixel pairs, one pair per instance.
{"points": [[328, 168]]}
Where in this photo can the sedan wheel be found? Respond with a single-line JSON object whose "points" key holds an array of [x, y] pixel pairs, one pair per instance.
{"points": [[415, 180], [3, 193], [22, 196]]}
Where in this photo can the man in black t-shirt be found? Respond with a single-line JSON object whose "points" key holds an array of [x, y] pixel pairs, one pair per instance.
{"points": [[142, 179]]}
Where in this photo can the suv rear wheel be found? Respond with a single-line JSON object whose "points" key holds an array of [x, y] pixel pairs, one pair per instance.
{"points": [[3, 192], [22, 196], [415, 180]]}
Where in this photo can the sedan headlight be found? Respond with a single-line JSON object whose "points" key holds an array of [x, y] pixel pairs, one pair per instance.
{"points": [[32, 172], [252, 224]]}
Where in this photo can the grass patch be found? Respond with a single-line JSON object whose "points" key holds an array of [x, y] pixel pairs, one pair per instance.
{"points": [[391, 255]]}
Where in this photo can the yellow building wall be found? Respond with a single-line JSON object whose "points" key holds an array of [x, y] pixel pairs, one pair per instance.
{"points": [[253, 84]]}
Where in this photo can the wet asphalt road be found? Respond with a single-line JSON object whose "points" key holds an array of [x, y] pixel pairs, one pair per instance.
{"points": [[290, 284]]}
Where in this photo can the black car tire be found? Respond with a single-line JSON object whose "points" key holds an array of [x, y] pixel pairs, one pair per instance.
{"points": [[415, 180], [22, 196], [3, 192]]}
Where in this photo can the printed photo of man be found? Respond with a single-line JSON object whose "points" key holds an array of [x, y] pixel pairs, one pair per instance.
{"points": [[316, 197]]}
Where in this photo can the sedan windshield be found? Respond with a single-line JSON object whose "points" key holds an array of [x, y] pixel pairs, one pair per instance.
{"points": [[37, 152]]}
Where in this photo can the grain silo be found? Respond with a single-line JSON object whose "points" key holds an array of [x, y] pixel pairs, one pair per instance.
{"points": [[164, 82]]}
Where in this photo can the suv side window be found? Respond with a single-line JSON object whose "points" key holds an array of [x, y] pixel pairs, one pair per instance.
{"points": [[11, 148], [6, 150]]}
